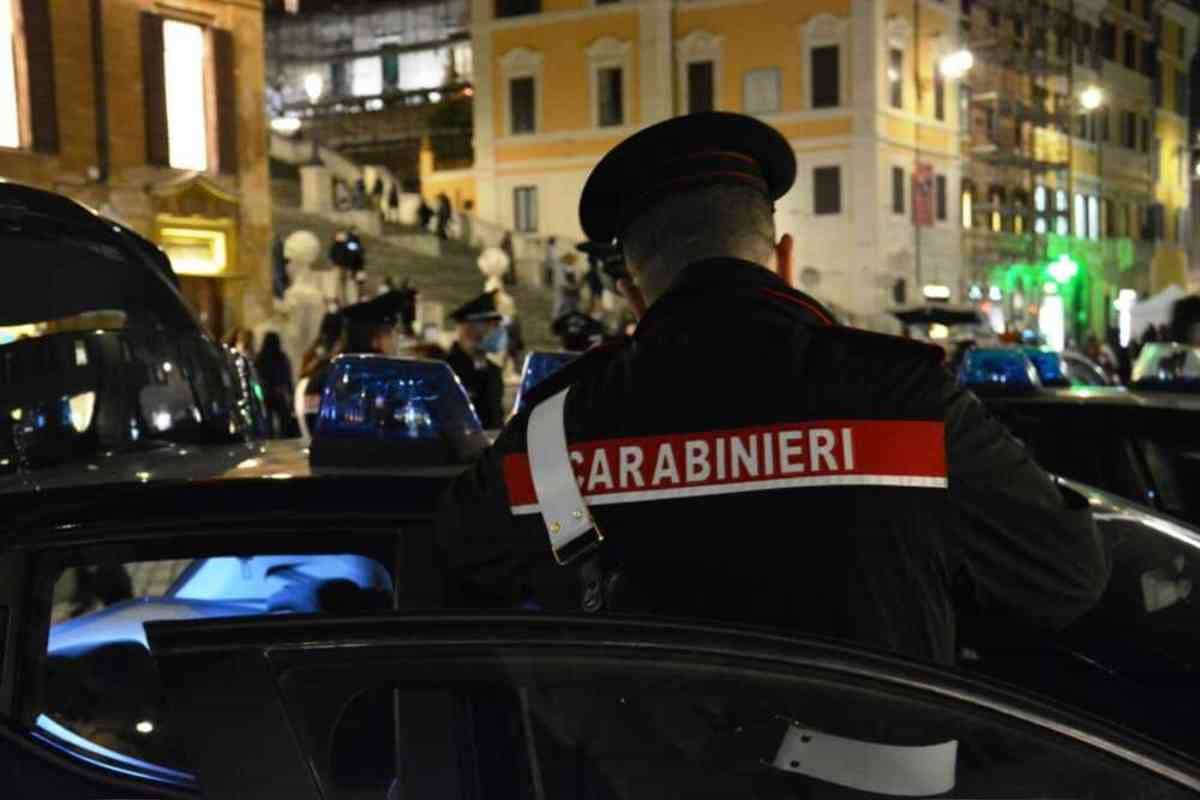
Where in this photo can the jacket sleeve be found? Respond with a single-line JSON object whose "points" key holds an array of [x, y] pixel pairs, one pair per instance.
{"points": [[1031, 549], [486, 552]]}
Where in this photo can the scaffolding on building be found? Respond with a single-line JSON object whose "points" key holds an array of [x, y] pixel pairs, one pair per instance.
{"points": [[1020, 106]]}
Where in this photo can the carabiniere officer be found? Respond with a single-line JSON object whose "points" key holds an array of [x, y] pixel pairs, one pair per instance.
{"points": [[745, 457]]}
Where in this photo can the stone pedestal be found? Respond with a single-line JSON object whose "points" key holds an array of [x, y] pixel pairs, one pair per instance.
{"points": [[316, 189]]}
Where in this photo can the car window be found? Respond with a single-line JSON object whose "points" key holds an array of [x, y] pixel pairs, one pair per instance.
{"points": [[1081, 448], [1175, 466], [614, 727], [1080, 373], [102, 692]]}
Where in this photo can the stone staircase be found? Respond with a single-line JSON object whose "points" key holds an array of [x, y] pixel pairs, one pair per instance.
{"points": [[444, 271]]}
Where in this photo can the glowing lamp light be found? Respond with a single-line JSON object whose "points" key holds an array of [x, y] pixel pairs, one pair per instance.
{"points": [[936, 292], [286, 126], [1091, 98], [995, 294], [144, 727], [956, 64], [314, 87], [1063, 269]]}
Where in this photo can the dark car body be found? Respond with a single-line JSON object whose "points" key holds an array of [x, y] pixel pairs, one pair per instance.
{"points": [[67, 704], [110, 367], [1141, 445]]}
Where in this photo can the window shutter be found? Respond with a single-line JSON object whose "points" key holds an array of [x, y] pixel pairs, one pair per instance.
{"points": [[154, 87], [39, 48], [226, 91]]}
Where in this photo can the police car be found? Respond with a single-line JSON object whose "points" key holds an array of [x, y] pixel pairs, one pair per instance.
{"points": [[1140, 443], [287, 630], [104, 373]]}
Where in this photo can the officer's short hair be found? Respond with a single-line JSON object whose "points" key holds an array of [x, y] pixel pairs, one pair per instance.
{"points": [[721, 220]]}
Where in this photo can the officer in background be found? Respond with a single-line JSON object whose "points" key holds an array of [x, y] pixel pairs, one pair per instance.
{"points": [[480, 334], [837, 483], [369, 327]]}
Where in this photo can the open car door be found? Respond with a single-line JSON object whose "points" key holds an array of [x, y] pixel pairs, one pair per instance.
{"points": [[521, 706]]}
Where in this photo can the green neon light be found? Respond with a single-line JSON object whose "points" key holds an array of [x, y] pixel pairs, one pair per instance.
{"points": [[1064, 269]]}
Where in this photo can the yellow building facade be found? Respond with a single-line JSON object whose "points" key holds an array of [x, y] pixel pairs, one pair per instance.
{"points": [[856, 87], [852, 84]]}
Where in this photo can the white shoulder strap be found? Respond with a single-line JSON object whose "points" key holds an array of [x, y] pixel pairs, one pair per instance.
{"points": [[866, 766], [569, 524]]}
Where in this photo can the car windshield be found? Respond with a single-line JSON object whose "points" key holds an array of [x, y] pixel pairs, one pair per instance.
{"points": [[873, 323]]}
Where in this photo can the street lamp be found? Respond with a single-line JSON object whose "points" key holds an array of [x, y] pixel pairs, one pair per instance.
{"points": [[314, 87], [957, 64], [1091, 98]]}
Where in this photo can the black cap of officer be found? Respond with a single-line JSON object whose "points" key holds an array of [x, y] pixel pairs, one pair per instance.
{"points": [[679, 155], [481, 309], [386, 309]]}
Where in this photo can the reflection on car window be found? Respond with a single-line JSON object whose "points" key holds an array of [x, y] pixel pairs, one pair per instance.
{"points": [[629, 731], [102, 687]]}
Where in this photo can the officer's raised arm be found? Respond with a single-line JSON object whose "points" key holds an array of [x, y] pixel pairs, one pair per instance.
{"points": [[1030, 548]]}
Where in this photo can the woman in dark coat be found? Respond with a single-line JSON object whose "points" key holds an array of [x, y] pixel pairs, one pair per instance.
{"points": [[275, 372]]}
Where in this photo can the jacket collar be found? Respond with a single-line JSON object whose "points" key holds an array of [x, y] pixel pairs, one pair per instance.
{"points": [[721, 277]]}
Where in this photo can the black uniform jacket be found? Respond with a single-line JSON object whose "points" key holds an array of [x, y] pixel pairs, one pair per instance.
{"points": [[484, 382], [748, 460]]}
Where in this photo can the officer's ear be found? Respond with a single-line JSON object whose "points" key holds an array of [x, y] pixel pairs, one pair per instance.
{"points": [[783, 257]]}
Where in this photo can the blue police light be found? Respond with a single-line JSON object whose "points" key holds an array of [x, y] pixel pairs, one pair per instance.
{"points": [[539, 365], [378, 411], [1049, 366], [996, 369], [1167, 365]]}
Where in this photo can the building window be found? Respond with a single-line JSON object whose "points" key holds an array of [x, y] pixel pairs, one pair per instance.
{"points": [[897, 190], [522, 105], [1084, 44], [514, 8], [525, 209], [608, 60], [761, 91], [964, 108], [10, 116], [698, 61], [1108, 41], [1093, 217], [895, 76], [1039, 210], [996, 200], [611, 109], [827, 190], [1130, 50], [826, 76], [700, 86], [1020, 205], [940, 198], [1102, 120], [1062, 225], [184, 60], [1128, 129], [967, 203], [1149, 57], [939, 95], [1181, 93], [1145, 134], [521, 90]]}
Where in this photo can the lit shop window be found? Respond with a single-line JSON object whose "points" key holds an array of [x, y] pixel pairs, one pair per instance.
{"points": [[184, 60], [10, 125]]}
